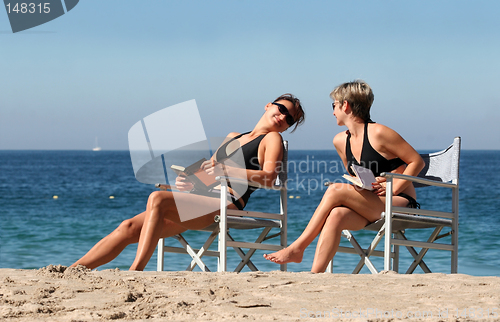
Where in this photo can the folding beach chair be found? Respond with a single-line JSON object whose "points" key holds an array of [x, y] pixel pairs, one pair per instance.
{"points": [[441, 170], [270, 225]]}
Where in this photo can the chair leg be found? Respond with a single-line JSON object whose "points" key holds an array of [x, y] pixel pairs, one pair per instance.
{"points": [[419, 256], [222, 242], [365, 255], [396, 252], [395, 259], [454, 253], [160, 254], [329, 268], [195, 256], [246, 257]]}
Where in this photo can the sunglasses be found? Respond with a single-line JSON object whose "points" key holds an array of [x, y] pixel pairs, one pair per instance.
{"points": [[333, 105], [283, 110]]}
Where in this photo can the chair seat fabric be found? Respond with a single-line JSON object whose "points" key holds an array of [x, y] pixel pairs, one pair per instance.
{"points": [[405, 221]]}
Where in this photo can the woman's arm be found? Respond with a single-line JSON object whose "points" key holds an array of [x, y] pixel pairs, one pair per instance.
{"points": [[395, 146], [270, 156], [270, 160]]}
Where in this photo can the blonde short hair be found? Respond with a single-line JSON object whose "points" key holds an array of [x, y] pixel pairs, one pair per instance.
{"points": [[358, 94]]}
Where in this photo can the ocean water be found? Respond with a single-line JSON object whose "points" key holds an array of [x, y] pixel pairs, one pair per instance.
{"points": [[37, 230]]}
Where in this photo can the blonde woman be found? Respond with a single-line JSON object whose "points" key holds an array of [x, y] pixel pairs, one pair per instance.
{"points": [[343, 206]]}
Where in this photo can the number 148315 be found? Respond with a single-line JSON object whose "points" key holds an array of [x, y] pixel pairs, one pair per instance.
{"points": [[28, 8]]}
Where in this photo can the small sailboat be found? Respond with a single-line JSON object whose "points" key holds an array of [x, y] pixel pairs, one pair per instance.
{"points": [[97, 147]]}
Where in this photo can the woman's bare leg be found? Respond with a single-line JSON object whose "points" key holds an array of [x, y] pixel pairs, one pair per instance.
{"points": [[160, 220], [363, 202], [161, 206], [126, 233], [340, 218]]}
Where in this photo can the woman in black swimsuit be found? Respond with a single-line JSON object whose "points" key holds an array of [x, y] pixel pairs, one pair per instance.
{"points": [[262, 151], [370, 145]]}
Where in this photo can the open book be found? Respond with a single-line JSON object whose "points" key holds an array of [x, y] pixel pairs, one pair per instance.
{"points": [[201, 180], [363, 177]]}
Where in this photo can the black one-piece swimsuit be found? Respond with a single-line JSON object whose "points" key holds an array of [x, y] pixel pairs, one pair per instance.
{"points": [[372, 160], [250, 160]]}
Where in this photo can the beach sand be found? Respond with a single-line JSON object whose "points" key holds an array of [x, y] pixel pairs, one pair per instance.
{"points": [[57, 293]]}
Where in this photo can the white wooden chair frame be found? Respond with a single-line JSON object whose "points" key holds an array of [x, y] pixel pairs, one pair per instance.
{"points": [[240, 220], [442, 170]]}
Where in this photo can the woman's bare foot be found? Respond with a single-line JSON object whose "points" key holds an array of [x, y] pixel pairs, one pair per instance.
{"points": [[286, 255]]}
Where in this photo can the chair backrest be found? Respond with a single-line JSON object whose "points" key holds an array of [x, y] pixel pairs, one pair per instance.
{"points": [[283, 174], [443, 165]]}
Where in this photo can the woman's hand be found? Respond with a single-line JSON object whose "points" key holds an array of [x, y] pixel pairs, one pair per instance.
{"points": [[183, 184], [379, 186], [212, 168]]}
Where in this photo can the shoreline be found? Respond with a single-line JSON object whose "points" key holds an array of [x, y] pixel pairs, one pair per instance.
{"points": [[78, 294]]}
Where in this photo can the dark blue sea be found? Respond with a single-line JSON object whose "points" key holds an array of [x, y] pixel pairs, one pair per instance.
{"points": [[37, 230]]}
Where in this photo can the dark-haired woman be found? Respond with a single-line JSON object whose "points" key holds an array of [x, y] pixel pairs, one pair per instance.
{"points": [[262, 150]]}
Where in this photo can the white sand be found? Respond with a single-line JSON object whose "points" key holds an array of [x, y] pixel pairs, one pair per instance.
{"points": [[57, 293]]}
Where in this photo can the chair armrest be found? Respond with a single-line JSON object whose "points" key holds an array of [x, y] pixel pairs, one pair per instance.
{"points": [[249, 183], [418, 179], [165, 187]]}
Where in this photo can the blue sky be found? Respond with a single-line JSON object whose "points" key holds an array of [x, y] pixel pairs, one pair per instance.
{"points": [[97, 70]]}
